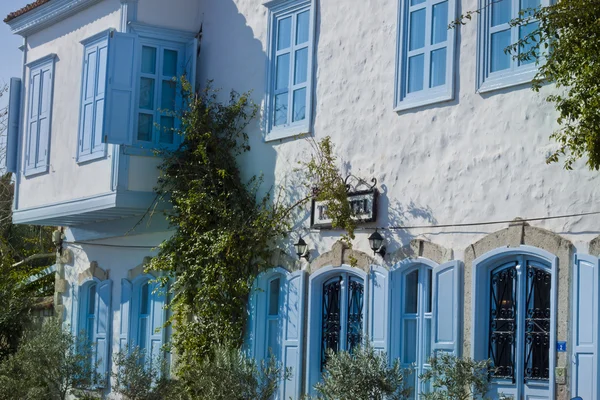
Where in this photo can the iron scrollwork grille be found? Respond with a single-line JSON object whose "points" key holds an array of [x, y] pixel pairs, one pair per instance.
{"points": [[355, 313], [503, 322], [331, 318], [537, 324]]}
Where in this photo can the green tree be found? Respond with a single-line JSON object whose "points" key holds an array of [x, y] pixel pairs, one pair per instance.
{"points": [[362, 375], [50, 364], [566, 47]]}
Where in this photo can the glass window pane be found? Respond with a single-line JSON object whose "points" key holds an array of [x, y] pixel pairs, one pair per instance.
{"points": [[301, 66], [144, 303], [331, 324], [147, 93], [411, 293], [501, 12], [439, 29], [417, 29], [429, 290], [529, 6], [409, 348], [302, 25], [538, 324], [284, 31], [416, 66], [282, 78], [427, 339], [438, 67], [148, 60], [169, 63], [272, 340], [415, 2], [143, 332], [274, 297], [92, 300], [356, 302], [90, 330], [167, 101], [166, 129], [145, 122], [500, 60], [299, 112], [523, 32], [503, 321], [281, 109]]}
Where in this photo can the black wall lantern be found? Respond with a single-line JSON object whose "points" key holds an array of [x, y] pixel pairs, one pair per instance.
{"points": [[302, 249], [376, 243]]}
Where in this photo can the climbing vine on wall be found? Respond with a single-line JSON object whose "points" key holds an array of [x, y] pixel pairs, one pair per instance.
{"points": [[224, 231]]}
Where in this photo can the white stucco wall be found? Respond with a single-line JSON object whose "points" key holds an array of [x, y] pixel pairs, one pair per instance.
{"points": [[477, 158], [66, 180], [185, 15]]}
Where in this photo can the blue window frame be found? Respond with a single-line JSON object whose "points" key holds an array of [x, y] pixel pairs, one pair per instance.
{"points": [[161, 63], [425, 53], [498, 68], [93, 93], [39, 115], [290, 72], [148, 316]]}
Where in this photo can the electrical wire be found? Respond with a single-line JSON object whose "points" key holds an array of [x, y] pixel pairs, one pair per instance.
{"points": [[112, 245]]}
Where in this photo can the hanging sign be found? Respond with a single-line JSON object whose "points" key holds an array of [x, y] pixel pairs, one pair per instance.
{"points": [[363, 204]]}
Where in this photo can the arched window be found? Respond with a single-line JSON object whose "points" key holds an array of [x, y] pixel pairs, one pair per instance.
{"points": [[514, 320], [92, 316]]}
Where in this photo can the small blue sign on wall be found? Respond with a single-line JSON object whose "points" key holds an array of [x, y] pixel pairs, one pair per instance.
{"points": [[561, 347]]}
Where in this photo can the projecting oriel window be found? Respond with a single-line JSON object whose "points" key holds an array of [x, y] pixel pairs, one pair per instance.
{"points": [[499, 68], [425, 54], [289, 84]]}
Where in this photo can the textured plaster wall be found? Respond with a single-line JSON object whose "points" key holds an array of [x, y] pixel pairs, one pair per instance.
{"points": [[478, 158], [66, 180]]}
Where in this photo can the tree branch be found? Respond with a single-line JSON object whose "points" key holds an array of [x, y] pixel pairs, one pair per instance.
{"points": [[33, 257]]}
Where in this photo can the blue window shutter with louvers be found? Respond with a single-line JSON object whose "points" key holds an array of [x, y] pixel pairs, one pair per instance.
{"points": [[379, 295], [126, 292], [157, 321], [120, 92], [293, 333], [585, 327], [447, 308], [103, 329], [12, 133], [98, 145], [32, 119], [44, 118], [87, 101], [191, 53]]}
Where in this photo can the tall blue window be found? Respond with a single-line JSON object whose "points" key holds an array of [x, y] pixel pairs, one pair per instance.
{"points": [[147, 317], [290, 70], [39, 115], [499, 68], [342, 314], [161, 64], [93, 90], [425, 64]]}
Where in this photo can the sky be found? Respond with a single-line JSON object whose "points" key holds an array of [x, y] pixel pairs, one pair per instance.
{"points": [[10, 55]]}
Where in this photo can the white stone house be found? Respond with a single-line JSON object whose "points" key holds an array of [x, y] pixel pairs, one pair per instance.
{"points": [[442, 119]]}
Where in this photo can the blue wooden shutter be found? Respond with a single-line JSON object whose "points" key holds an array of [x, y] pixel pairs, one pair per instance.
{"points": [[378, 303], [87, 100], [447, 308], [157, 320], [101, 81], [255, 319], [44, 118], [126, 292], [32, 119], [585, 327], [14, 118], [120, 90], [191, 53], [103, 329], [293, 333]]}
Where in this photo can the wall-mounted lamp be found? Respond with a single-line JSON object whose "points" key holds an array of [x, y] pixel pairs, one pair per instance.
{"points": [[376, 243], [302, 249]]}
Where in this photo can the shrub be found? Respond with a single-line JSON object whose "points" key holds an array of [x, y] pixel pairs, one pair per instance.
{"points": [[230, 375], [49, 365], [364, 374], [455, 378], [139, 380]]}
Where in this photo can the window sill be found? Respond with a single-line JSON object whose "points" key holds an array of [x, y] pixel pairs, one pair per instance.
{"points": [[287, 132], [87, 158], [36, 171], [416, 102], [493, 83]]}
